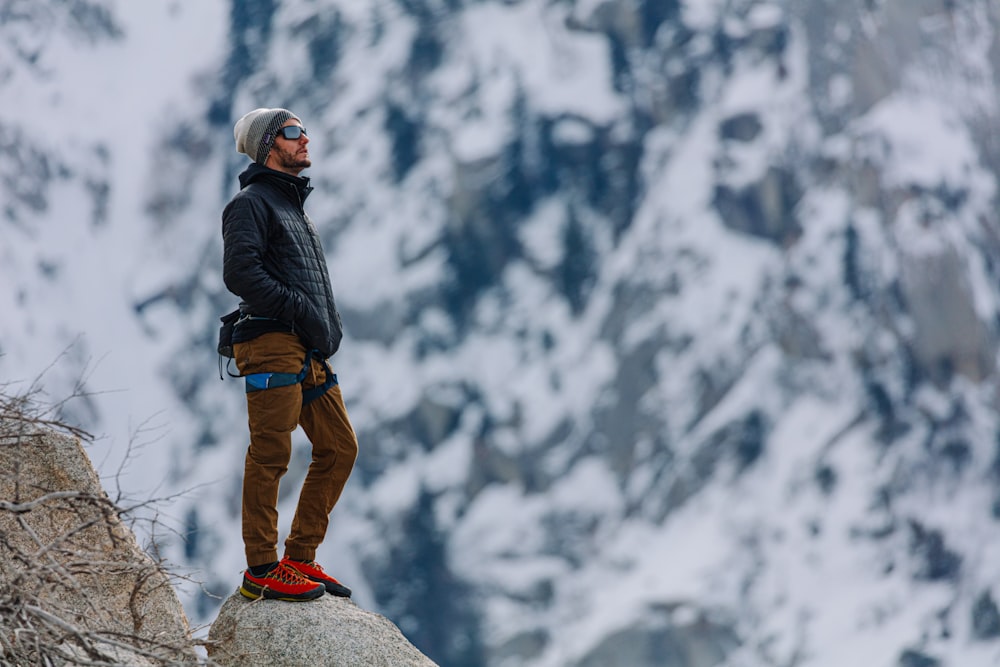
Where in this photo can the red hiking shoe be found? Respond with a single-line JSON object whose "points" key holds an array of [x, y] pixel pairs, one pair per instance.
{"points": [[281, 583], [312, 570]]}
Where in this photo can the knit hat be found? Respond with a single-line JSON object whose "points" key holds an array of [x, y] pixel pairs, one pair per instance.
{"points": [[255, 132]]}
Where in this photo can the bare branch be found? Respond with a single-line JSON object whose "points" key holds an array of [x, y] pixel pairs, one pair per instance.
{"points": [[75, 588]]}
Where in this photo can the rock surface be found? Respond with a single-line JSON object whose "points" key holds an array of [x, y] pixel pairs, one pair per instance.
{"points": [[327, 632], [74, 582]]}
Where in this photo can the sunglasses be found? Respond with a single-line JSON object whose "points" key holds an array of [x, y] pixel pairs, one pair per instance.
{"points": [[292, 132]]}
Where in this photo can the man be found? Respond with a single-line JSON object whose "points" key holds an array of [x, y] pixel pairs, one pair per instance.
{"points": [[288, 328]]}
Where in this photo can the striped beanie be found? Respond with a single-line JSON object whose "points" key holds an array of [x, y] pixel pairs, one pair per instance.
{"points": [[255, 132]]}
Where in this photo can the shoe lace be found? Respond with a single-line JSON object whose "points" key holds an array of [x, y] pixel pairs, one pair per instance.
{"points": [[286, 575], [311, 563]]}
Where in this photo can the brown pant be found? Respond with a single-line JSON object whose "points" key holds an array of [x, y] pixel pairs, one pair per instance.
{"points": [[273, 415]]}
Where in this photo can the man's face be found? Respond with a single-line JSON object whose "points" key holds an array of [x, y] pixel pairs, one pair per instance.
{"points": [[289, 155]]}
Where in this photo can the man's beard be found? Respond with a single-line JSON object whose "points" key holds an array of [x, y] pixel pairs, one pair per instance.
{"points": [[289, 160]]}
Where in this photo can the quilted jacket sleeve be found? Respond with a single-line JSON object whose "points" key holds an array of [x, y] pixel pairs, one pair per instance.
{"points": [[245, 223]]}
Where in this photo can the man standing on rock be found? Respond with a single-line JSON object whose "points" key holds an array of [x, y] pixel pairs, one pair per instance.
{"points": [[288, 328]]}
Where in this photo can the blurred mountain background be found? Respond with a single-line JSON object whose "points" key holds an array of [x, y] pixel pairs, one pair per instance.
{"points": [[671, 325]]}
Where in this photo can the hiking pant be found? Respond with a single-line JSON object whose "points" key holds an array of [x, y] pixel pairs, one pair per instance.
{"points": [[273, 414]]}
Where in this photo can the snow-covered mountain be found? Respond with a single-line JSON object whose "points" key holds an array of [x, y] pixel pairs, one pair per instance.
{"points": [[671, 325]]}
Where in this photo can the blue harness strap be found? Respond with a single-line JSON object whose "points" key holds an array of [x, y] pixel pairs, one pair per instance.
{"points": [[262, 381], [310, 395]]}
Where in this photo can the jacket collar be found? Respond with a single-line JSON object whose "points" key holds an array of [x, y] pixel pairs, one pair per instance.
{"points": [[259, 173]]}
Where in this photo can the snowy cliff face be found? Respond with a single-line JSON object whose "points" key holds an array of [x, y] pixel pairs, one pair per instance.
{"points": [[671, 326]]}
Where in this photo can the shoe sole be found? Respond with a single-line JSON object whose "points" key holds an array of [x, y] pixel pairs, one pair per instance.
{"points": [[271, 594], [333, 589]]}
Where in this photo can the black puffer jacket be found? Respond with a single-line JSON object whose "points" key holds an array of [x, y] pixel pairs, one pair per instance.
{"points": [[273, 259]]}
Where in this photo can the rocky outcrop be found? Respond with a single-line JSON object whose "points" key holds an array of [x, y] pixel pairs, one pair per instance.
{"points": [[328, 632], [948, 336], [75, 587]]}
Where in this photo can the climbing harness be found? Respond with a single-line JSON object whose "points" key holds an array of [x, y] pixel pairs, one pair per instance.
{"points": [[263, 381]]}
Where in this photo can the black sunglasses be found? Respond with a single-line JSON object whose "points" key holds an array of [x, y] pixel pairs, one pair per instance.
{"points": [[292, 132]]}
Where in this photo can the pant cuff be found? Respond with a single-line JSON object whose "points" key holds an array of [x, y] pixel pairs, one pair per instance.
{"points": [[300, 553], [256, 558]]}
